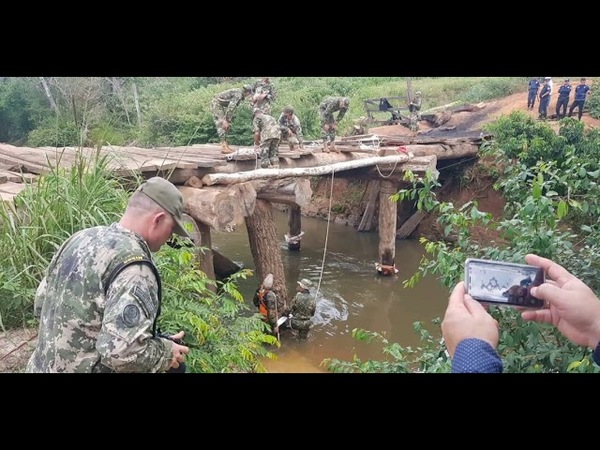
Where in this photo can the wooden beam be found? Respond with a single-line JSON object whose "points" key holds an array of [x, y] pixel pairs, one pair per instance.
{"points": [[222, 178]]}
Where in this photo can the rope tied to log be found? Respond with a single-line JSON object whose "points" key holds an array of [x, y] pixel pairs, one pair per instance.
{"points": [[326, 231], [293, 239]]}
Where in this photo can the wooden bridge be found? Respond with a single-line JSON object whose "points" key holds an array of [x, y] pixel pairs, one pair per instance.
{"points": [[223, 192]]}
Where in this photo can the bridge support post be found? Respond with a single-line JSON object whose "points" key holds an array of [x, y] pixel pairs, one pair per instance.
{"points": [[295, 226], [387, 229], [206, 258], [264, 245]]}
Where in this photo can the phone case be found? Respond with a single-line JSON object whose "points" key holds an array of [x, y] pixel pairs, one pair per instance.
{"points": [[503, 283]]}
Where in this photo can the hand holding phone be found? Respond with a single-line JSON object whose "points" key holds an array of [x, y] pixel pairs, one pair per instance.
{"points": [[503, 283]]}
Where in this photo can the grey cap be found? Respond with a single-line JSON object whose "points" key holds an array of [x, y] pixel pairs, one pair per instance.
{"points": [[168, 197], [268, 281], [305, 284]]}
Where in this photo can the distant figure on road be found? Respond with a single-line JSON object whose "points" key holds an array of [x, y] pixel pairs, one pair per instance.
{"points": [[544, 100], [564, 91], [534, 87], [581, 92], [414, 107]]}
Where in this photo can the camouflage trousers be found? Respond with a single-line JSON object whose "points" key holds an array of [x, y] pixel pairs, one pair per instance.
{"points": [[302, 326], [286, 133], [264, 106], [414, 121], [329, 134], [218, 113], [269, 153]]}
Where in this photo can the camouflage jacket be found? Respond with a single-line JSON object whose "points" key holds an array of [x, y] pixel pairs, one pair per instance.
{"points": [[84, 329], [303, 306], [267, 126], [329, 106], [293, 124], [229, 99], [261, 88]]}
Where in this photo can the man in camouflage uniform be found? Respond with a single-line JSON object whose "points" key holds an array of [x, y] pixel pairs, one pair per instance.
{"points": [[291, 129], [266, 135], [264, 95], [266, 302], [414, 107], [329, 124], [99, 300], [302, 308], [223, 107]]}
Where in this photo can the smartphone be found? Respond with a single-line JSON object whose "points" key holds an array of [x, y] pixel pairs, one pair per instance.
{"points": [[503, 283]]}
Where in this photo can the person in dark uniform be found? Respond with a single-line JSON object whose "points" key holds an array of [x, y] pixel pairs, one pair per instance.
{"points": [[564, 91], [534, 87], [544, 100], [581, 92]]}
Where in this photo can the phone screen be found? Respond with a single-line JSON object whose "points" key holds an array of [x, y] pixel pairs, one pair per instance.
{"points": [[503, 283]]}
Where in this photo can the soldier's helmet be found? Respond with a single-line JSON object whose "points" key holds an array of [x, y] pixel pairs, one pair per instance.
{"points": [[268, 281], [288, 109], [305, 284]]}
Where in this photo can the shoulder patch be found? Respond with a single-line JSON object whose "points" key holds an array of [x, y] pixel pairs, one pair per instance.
{"points": [[145, 300], [131, 315]]}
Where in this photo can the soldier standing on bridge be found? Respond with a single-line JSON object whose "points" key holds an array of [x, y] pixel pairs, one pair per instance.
{"points": [[264, 95], [223, 107], [414, 107], [291, 130], [267, 135], [329, 124]]}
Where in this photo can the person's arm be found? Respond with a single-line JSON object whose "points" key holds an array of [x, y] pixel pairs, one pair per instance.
{"points": [[125, 341]]}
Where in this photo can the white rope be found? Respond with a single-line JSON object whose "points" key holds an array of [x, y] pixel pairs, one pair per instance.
{"points": [[326, 232]]}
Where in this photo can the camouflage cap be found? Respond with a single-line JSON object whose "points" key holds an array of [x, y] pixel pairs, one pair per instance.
{"points": [[248, 88], [289, 109], [418, 93], [168, 197], [346, 101], [305, 284]]}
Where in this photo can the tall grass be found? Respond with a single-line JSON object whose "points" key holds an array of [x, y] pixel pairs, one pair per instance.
{"points": [[44, 215]]}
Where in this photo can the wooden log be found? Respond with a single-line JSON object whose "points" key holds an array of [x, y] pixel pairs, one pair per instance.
{"points": [[295, 228], [366, 223], [418, 165], [409, 226], [222, 178], [264, 245], [290, 191], [223, 266], [194, 181], [206, 253], [387, 227], [218, 208]]}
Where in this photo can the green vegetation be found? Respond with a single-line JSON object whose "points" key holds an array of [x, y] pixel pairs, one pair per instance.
{"points": [[550, 183], [225, 335]]}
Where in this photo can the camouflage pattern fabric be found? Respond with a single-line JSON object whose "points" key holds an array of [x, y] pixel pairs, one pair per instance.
{"points": [[302, 307], [82, 329], [288, 125], [270, 135], [223, 106], [268, 89], [414, 107], [271, 304], [327, 108]]}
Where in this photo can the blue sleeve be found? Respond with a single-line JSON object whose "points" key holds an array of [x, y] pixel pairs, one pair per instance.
{"points": [[476, 356], [596, 354]]}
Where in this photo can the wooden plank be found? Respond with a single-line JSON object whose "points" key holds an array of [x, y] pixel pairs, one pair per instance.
{"points": [[17, 163], [16, 177], [366, 223], [7, 197], [409, 226], [12, 188]]}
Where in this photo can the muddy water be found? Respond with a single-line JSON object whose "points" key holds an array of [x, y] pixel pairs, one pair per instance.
{"points": [[350, 293]]}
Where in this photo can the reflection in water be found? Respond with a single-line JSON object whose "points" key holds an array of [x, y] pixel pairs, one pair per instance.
{"points": [[350, 293]]}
